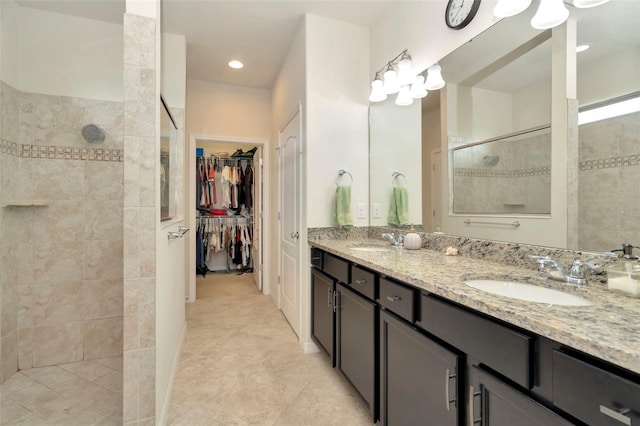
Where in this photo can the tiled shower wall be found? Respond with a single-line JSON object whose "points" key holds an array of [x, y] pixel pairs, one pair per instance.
{"points": [[141, 216], [63, 260], [609, 193], [519, 183]]}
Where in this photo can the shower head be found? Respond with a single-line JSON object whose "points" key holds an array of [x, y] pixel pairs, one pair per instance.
{"points": [[491, 160], [93, 133]]}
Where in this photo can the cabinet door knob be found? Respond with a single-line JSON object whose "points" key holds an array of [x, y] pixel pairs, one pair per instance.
{"points": [[618, 415], [394, 298]]}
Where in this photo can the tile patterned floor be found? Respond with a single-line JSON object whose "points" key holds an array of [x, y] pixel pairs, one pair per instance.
{"points": [[80, 393], [241, 365]]}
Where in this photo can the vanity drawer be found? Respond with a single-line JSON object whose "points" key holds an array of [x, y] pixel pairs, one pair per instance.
{"points": [[317, 258], [503, 349], [398, 299], [593, 395], [336, 267], [363, 281]]}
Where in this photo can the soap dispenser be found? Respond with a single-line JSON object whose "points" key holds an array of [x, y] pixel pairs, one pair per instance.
{"points": [[624, 275]]}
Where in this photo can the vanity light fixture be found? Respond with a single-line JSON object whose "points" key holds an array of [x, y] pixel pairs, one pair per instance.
{"points": [[506, 8], [405, 72], [235, 64], [404, 81], [404, 96], [391, 85], [588, 3], [378, 93], [434, 78], [551, 13], [417, 87]]}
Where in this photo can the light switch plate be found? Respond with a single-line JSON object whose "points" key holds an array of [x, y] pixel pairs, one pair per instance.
{"points": [[377, 210], [362, 211]]}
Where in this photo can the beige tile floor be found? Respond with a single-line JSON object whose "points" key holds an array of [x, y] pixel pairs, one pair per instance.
{"points": [[79, 393], [241, 365]]}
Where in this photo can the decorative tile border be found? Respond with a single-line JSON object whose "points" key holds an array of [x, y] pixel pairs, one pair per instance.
{"points": [[537, 171], [610, 163], [61, 152]]}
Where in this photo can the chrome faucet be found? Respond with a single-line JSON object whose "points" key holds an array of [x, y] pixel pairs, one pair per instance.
{"points": [[391, 237], [551, 269]]}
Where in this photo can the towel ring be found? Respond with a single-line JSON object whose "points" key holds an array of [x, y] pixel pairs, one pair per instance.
{"points": [[396, 176], [341, 174]]}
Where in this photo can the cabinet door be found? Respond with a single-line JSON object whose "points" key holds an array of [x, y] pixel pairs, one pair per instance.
{"points": [[322, 313], [494, 403], [418, 377], [356, 345]]}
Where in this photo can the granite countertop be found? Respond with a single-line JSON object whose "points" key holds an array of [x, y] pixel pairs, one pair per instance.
{"points": [[609, 329]]}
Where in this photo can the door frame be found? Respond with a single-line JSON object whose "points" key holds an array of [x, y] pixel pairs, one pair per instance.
{"points": [[190, 215], [303, 294]]}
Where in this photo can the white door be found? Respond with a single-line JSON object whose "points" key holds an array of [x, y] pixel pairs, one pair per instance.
{"points": [[436, 191], [256, 247], [289, 280]]}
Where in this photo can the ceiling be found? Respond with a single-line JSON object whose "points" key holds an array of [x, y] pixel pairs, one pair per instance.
{"points": [[256, 32]]}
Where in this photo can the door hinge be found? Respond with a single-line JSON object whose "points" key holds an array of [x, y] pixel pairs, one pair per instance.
{"points": [[260, 267], [260, 162], [278, 215], [260, 215], [433, 167], [278, 279]]}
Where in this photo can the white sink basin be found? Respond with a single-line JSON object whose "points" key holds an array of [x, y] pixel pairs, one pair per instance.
{"points": [[370, 248], [529, 292]]}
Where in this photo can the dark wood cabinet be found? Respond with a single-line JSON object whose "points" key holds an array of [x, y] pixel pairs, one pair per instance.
{"points": [[418, 377], [415, 358], [356, 345], [322, 313], [595, 396], [495, 403]]}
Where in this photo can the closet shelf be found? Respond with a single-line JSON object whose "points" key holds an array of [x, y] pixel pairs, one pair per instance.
{"points": [[26, 202]]}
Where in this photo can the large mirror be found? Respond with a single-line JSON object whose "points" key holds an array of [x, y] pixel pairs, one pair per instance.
{"points": [[499, 92], [168, 163]]}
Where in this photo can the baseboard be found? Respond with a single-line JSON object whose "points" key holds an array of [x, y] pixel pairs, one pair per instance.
{"points": [[166, 404], [310, 347]]}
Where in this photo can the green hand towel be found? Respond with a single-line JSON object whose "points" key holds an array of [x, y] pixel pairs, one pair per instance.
{"points": [[399, 207], [342, 210]]}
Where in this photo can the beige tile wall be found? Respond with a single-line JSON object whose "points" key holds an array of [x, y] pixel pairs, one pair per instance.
{"points": [[609, 194], [62, 262], [141, 217]]}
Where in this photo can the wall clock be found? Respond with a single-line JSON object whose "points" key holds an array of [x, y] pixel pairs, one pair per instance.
{"points": [[460, 12]]}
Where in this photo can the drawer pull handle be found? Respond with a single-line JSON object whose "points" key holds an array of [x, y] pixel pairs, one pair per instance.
{"points": [[394, 298], [448, 377], [472, 395], [335, 300], [361, 281], [617, 415], [315, 258]]}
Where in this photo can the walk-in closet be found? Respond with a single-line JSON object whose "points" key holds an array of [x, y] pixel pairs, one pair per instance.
{"points": [[228, 205]]}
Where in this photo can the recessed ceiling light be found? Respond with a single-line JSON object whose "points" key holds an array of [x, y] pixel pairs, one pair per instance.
{"points": [[582, 48], [236, 64]]}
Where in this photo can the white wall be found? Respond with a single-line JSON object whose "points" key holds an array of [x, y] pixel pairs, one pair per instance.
{"points": [[395, 146], [337, 111], [419, 26], [171, 255], [225, 110], [532, 106], [288, 90], [173, 84], [615, 75], [50, 48]]}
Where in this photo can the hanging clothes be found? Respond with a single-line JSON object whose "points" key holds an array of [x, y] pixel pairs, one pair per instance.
{"points": [[248, 186]]}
